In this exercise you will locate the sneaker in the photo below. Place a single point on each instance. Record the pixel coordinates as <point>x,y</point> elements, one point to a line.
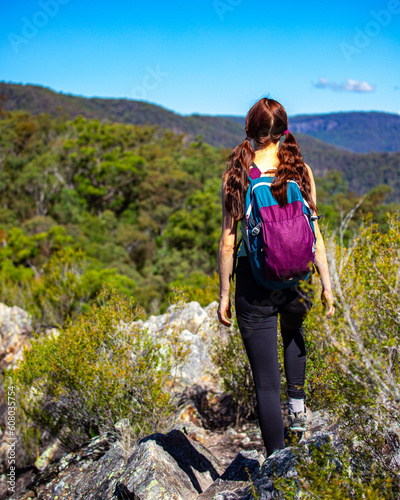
<point>301,420</point>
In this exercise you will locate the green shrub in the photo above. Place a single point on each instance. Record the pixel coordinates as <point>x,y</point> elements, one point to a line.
<point>355,363</point>
<point>98,370</point>
<point>352,358</point>
<point>198,287</point>
<point>63,287</point>
<point>323,473</point>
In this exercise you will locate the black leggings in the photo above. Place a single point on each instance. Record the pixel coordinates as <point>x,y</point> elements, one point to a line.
<point>257,311</point>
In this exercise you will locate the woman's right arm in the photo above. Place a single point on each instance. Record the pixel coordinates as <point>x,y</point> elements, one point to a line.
<point>225,262</point>
<point>321,260</point>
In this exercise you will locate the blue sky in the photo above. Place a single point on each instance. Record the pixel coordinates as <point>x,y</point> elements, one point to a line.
<point>211,56</point>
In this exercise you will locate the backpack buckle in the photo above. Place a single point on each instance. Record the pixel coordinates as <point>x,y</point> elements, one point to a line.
<point>316,217</point>
<point>256,230</point>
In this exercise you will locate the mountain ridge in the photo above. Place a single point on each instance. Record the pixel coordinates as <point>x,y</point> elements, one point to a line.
<point>37,99</point>
<point>356,131</point>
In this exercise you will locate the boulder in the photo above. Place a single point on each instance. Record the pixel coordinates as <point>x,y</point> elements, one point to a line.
<point>89,473</point>
<point>15,326</point>
<point>227,490</point>
<point>170,466</point>
<point>187,317</point>
<point>167,466</point>
<point>195,326</point>
<point>205,407</point>
<point>196,368</point>
<point>174,466</point>
<point>234,481</point>
<point>246,465</point>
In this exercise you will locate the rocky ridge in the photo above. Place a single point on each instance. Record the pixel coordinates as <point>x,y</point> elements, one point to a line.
<point>169,466</point>
<point>202,456</point>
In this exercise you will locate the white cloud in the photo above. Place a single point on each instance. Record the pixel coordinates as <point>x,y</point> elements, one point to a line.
<point>349,85</point>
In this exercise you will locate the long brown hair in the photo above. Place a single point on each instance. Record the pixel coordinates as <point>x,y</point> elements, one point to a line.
<point>265,124</point>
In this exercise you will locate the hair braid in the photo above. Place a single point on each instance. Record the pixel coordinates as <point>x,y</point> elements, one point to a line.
<point>291,165</point>
<point>236,178</point>
<point>266,122</point>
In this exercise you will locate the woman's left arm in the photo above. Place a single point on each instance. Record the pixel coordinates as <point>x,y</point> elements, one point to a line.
<point>225,262</point>
<point>321,260</point>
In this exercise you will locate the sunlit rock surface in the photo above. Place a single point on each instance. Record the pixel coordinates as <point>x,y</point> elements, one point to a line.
<point>196,326</point>
<point>15,326</point>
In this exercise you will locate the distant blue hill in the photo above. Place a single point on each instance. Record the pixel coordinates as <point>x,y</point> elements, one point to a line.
<point>360,132</point>
<point>356,131</point>
<point>353,136</point>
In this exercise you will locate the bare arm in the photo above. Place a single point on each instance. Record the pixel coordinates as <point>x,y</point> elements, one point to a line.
<point>321,260</point>
<point>225,262</point>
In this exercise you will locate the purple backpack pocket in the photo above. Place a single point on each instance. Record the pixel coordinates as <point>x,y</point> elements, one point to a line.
<point>288,241</point>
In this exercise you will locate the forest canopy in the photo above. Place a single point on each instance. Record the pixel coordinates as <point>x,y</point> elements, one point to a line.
<point>138,207</point>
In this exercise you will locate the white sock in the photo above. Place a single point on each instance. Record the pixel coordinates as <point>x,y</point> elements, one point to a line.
<point>296,405</point>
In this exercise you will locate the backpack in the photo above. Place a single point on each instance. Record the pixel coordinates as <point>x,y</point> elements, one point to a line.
<point>279,241</point>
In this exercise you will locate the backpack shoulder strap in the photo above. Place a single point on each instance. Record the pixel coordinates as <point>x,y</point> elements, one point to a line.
<point>313,217</point>
<point>255,172</point>
<point>235,259</point>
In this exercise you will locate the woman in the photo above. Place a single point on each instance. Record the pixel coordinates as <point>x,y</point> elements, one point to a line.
<point>257,307</point>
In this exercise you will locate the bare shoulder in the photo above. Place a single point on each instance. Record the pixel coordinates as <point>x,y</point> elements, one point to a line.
<point>313,187</point>
<point>310,173</point>
<point>309,169</point>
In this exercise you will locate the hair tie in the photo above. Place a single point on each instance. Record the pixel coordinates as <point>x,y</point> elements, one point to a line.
<point>248,138</point>
<point>286,132</point>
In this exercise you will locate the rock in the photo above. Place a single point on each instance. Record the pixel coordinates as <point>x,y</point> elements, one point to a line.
<point>215,410</point>
<point>193,371</point>
<point>174,466</point>
<point>232,432</point>
<point>122,493</point>
<point>170,466</point>
<point>153,325</point>
<point>210,326</point>
<point>189,317</point>
<point>211,308</point>
<point>195,326</point>
<point>320,420</point>
<point>90,473</point>
<point>234,482</point>
<point>250,460</point>
<point>188,421</point>
<point>227,490</point>
<point>47,456</point>
<point>167,466</point>
<point>15,326</point>
<point>282,463</point>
